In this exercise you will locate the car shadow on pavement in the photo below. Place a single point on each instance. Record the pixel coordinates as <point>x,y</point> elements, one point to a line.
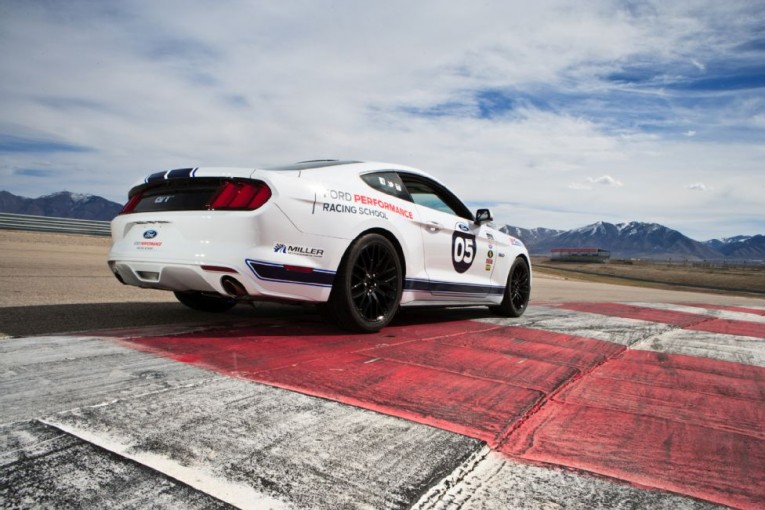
<point>89,317</point>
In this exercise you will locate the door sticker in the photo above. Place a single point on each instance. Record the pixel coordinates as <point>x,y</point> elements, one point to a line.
<point>463,251</point>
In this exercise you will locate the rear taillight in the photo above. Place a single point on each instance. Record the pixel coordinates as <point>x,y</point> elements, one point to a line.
<point>246,196</point>
<point>131,203</point>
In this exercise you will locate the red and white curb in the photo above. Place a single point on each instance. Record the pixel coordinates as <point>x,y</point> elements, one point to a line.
<point>644,396</point>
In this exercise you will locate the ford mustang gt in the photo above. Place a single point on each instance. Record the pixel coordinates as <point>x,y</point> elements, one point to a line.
<point>358,239</point>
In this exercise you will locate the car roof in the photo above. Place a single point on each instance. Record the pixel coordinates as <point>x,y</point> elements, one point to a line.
<point>333,166</point>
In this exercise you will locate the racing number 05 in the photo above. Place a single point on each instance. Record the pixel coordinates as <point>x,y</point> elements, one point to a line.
<point>463,251</point>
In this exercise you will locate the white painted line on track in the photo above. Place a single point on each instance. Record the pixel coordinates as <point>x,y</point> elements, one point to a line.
<point>236,494</point>
<point>737,349</point>
<point>709,312</point>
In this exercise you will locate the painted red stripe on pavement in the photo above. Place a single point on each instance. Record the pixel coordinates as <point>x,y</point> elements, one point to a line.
<point>524,372</point>
<point>729,327</point>
<point>684,362</point>
<point>683,379</point>
<point>681,405</point>
<point>718,466</point>
<point>675,318</point>
<point>560,339</point>
<point>510,341</point>
<point>476,407</point>
<point>461,376</point>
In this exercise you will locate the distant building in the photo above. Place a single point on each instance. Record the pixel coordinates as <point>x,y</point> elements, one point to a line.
<point>579,255</point>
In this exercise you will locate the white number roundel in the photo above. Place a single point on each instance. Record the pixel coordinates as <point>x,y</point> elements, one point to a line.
<point>463,251</point>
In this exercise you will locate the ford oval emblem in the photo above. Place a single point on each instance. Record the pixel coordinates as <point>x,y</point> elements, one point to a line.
<point>150,234</point>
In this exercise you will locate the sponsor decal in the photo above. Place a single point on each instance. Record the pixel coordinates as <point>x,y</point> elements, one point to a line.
<point>463,227</point>
<point>490,254</point>
<point>382,204</point>
<point>516,242</point>
<point>292,249</point>
<point>463,251</point>
<point>488,267</point>
<point>390,184</point>
<point>349,203</point>
<point>501,254</point>
<point>146,245</point>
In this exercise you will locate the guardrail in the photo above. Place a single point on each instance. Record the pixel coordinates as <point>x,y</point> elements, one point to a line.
<point>49,224</point>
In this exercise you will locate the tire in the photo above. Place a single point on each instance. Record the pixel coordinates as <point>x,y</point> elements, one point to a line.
<point>367,289</point>
<point>205,302</point>
<point>517,290</point>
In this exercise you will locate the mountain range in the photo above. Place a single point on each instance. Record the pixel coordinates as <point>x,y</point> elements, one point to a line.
<point>639,240</point>
<point>63,204</point>
<point>624,240</point>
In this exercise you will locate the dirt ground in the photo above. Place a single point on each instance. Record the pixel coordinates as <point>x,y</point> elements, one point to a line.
<point>729,277</point>
<point>43,269</point>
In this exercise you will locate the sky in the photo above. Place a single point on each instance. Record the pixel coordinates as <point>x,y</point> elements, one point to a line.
<point>554,114</point>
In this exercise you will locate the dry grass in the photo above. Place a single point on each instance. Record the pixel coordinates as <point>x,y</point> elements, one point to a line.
<point>729,279</point>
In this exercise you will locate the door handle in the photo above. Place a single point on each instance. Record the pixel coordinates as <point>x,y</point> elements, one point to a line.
<point>434,226</point>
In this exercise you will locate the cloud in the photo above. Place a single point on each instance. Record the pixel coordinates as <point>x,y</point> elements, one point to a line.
<point>15,144</point>
<point>500,99</point>
<point>698,65</point>
<point>699,186</point>
<point>34,172</point>
<point>604,180</point>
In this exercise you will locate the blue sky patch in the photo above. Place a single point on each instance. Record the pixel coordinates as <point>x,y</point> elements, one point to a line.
<point>15,144</point>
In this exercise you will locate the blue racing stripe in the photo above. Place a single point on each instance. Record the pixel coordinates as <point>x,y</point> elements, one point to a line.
<point>271,272</point>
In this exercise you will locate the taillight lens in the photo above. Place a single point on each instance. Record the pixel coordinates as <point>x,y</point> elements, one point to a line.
<point>246,196</point>
<point>131,203</point>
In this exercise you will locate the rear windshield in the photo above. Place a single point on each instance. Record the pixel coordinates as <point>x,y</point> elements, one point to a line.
<point>178,196</point>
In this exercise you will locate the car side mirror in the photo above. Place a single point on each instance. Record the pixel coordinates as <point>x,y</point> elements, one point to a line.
<point>483,216</point>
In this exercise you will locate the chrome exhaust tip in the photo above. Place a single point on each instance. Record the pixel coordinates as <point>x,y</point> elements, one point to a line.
<point>233,287</point>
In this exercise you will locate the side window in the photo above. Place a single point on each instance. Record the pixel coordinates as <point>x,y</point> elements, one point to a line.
<point>388,183</point>
<point>432,195</point>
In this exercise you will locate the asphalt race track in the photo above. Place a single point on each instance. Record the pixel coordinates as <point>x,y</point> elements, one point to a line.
<point>574,405</point>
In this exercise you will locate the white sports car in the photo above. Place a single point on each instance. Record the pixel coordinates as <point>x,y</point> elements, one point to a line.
<point>358,239</point>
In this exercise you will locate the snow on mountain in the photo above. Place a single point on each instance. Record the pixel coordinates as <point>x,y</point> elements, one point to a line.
<point>740,247</point>
<point>62,204</point>
<point>624,240</point>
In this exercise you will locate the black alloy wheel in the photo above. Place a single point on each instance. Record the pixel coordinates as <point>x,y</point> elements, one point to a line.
<point>367,290</point>
<point>517,291</point>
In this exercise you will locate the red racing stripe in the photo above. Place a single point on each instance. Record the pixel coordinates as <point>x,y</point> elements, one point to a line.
<point>702,462</point>
<point>684,362</point>
<point>518,371</point>
<point>729,327</point>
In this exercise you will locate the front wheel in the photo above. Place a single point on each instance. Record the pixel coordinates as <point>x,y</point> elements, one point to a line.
<point>205,302</point>
<point>517,291</point>
<point>367,289</point>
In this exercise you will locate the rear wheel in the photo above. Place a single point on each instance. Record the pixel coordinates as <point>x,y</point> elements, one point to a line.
<point>205,302</point>
<point>517,291</point>
<point>367,289</point>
